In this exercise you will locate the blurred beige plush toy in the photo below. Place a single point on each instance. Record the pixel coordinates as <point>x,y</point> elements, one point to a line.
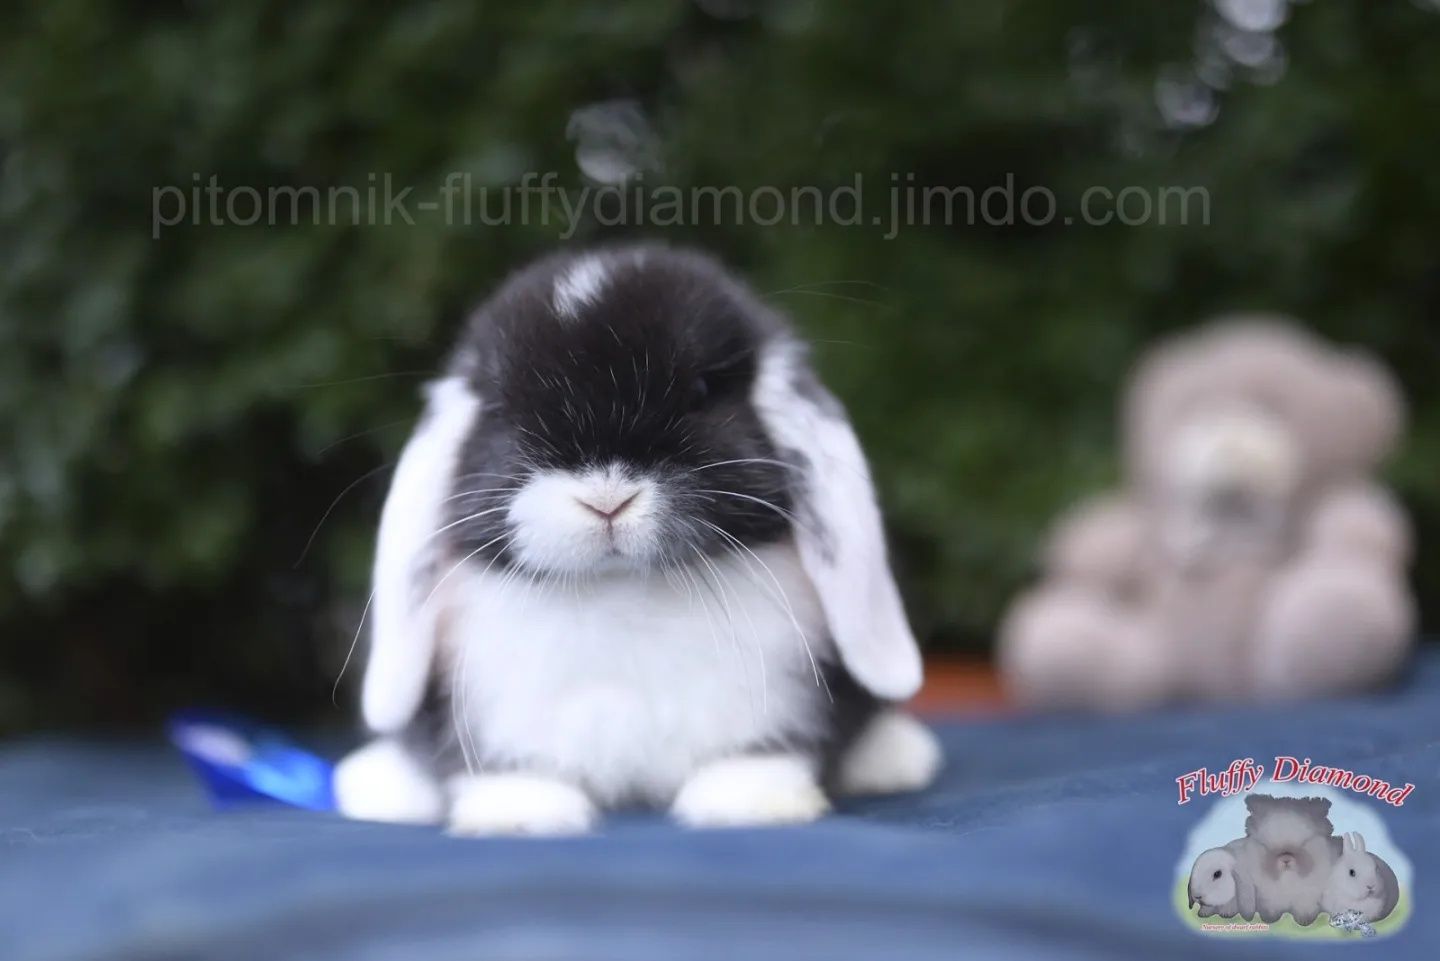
<point>1252,555</point>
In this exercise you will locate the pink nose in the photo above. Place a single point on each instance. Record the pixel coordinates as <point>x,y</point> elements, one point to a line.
<point>609,508</point>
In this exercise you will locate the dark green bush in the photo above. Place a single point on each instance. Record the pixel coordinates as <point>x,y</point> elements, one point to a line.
<point>180,407</point>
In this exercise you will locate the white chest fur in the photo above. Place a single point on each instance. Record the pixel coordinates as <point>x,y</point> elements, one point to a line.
<point>625,684</point>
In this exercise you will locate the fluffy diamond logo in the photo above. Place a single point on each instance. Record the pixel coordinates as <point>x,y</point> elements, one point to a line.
<point>1282,853</point>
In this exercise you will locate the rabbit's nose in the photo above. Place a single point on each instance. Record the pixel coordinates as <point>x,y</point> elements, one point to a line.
<point>608,507</point>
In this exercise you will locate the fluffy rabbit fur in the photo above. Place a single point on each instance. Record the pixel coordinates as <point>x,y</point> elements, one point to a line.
<point>1288,851</point>
<point>631,556</point>
<point>1360,881</point>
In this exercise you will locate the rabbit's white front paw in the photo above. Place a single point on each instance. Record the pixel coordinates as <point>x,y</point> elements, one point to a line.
<point>491,804</point>
<point>382,781</point>
<point>741,791</point>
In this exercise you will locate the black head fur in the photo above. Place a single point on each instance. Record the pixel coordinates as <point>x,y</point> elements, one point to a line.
<point>653,373</point>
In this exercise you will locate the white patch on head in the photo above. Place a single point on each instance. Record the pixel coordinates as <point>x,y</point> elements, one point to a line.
<point>382,781</point>
<point>579,285</point>
<point>894,752</point>
<point>625,683</point>
<point>751,790</point>
<point>490,804</point>
<point>560,521</point>
<point>839,532</point>
<point>403,626</point>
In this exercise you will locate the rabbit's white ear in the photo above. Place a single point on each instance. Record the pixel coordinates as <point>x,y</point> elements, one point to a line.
<point>403,614</point>
<point>837,523</point>
<point>1358,840</point>
<point>1244,895</point>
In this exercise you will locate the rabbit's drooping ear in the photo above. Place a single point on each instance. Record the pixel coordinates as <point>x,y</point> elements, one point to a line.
<point>403,613</point>
<point>1244,894</point>
<point>837,523</point>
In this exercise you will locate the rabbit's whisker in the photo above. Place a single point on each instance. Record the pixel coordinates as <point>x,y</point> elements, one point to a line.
<point>458,564</point>
<point>359,434</point>
<point>350,653</point>
<point>747,460</point>
<point>338,498</point>
<point>480,492</point>
<point>464,732</point>
<point>716,582</point>
<point>783,598</point>
<point>467,519</point>
<point>789,515</point>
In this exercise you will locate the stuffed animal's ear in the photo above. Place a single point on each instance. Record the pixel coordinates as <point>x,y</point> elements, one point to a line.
<point>1368,414</point>
<point>837,523</point>
<point>404,615</point>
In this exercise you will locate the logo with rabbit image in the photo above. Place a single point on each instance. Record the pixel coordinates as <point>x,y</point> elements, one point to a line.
<point>1317,865</point>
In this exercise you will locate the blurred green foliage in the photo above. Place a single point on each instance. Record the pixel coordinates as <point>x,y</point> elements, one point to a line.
<point>179,411</point>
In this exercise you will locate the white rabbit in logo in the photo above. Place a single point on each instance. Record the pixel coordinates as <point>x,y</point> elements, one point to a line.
<point>1219,884</point>
<point>1361,882</point>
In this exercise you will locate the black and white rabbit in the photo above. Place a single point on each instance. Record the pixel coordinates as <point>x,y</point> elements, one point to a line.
<point>631,555</point>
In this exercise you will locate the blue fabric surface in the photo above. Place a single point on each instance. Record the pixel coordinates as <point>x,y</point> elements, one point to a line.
<point>1046,838</point>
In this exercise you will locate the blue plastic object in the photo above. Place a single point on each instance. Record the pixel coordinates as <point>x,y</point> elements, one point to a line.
<point>241,762</point>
